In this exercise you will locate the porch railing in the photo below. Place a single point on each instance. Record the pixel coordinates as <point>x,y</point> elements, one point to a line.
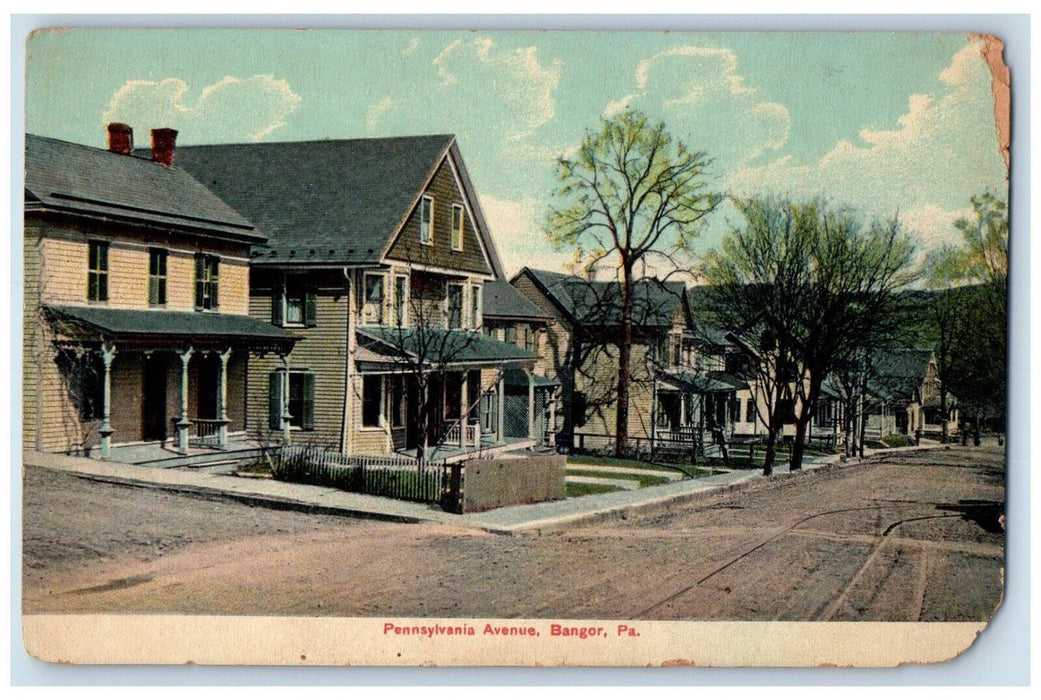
<point>461,434</point>
<point>203,432</point>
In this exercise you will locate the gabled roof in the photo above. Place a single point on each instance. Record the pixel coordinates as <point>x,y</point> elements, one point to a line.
<point>598,303</point>
<point>503,300</point>
<point>899,372</point>
<point>76,179</point>
<point>331,201</point>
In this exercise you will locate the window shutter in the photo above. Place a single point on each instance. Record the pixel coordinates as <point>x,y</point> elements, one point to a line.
<point>310,306</point>
<point>277,303</point>
<point>275,401</point>
<point>214,299</point>
<point>200,276</point>
<point>307,420</point>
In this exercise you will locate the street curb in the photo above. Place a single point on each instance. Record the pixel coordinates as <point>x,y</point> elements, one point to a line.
<point>655,505</point>
<point>664,504</point>
<point>271,502</point>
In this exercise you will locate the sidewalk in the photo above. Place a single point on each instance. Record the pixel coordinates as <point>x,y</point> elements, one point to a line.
<point>537,517</point>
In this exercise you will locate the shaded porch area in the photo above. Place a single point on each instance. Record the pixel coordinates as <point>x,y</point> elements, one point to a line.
<point>154,379</point>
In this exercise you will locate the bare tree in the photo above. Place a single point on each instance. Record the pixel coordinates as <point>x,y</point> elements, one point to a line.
<point>630,191</point>
<point>820,281</point>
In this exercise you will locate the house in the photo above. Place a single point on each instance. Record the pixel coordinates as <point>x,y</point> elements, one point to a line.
<point>376,262</point>
<point>512,318</point>
<point>581,348</point>
<point>904,394</point>
<point>136,323</point>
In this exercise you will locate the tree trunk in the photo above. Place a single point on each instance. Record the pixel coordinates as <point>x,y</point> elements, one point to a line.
<point>624,353</point>
<point>802,422</point>
<point>771,448</point>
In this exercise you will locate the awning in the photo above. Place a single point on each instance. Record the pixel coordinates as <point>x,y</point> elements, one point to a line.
<point>705,382</point>
<point>518,377</point>
<point>437,347</point>
<point>159,327</point>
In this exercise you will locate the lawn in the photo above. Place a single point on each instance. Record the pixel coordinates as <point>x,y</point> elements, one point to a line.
<point>644,479</point>
<point>586,462</point>
<point>572,490</point>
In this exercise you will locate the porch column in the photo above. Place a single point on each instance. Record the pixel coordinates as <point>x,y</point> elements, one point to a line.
<point>553,418</point>
<point>222,398</point>
<point>464,409</point>
<point>501,400</point>
<point>531,404</point>
<point>182,422</point>
<point>286,416</point>
<point>108,353</point>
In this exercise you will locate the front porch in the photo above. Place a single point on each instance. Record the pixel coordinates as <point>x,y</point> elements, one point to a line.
<point>488,447</point>
<point>239,447</point>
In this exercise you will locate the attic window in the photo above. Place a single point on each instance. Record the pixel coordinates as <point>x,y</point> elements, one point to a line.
<point>458,219</point>
<point>426,220</point>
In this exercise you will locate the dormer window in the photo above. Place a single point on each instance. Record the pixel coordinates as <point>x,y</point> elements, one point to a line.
<point>458,221</point>
<point>426,220</point>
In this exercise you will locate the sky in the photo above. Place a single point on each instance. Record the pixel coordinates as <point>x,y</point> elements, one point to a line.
<point>886,123</point>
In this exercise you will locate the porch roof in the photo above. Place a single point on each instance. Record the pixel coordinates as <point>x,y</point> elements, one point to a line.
<point>518,377</point>
<point>706,382</point>
<point>439,347</point>
<point>172,326</point>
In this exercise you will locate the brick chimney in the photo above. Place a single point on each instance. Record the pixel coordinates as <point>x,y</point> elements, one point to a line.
<point>120,138</point>
<point>163,142</point>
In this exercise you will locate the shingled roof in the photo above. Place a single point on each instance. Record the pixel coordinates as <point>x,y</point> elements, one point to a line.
<point>77,179</point>
<point>321,201</point>
<point>598,303</point>
<point>503,300</point>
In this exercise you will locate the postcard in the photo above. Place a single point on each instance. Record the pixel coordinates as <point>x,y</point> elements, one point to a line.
<point>357,347</point>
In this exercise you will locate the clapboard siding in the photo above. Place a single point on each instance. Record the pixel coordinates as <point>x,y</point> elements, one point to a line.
<point>321,350</point>
<point>63,273</point>
<point>407,248</point>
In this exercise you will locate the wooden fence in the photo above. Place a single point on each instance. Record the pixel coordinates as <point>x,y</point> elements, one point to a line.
<point>425,481</point>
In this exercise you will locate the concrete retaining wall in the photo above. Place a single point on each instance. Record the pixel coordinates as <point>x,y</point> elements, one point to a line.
<point>493,483</point>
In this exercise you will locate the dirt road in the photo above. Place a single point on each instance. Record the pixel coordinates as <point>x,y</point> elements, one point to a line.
<point>918,537</point>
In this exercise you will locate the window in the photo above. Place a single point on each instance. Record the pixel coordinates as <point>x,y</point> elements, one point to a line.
<point>371,400</point>
<point>735,410</point>
<point>300,399</point>
<point>206,281</point>
<point>675,349</point>
<point>489,411</point>
<point>156,276</point>
<point>400,300</point>
<point>97,271</point>
<point>578,408</point>
<point>397,402</point>
<point>526,337</point>
<point>458,217</point>
<point>426,220</point>
<point>455,306</point>
<point>374,299</point>
<point>749,410</point>
<point>511,335</point>
<point>476,306</point>
<point>293,302</point>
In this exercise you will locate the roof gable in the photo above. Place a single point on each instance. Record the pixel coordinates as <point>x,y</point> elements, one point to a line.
<point>321,201</point>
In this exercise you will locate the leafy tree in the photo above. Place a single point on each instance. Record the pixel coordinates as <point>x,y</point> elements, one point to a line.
<point>631,191</point>
<point>969,309</point>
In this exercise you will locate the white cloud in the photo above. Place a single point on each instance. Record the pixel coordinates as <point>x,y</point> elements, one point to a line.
<point>934,225</point>
<point>517,230</point>
<point>232,109</point>
<point>939,152</point>
<point>373,113</point>
<point>703,98</point>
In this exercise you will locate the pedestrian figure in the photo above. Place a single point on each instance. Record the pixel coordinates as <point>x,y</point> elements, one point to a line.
<point>720,439</point>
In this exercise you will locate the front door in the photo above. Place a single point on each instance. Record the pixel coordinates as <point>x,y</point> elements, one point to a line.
<point>153,398</point>
<point>206,395</point>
